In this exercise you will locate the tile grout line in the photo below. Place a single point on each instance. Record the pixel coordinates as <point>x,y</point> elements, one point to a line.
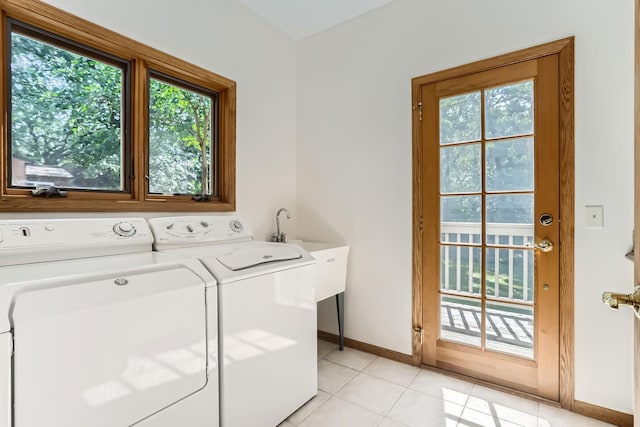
<point>394,404</point>
<point>351,379</point>
<point>344,365</point>
<point>492,403</point>
<point>414,378</point>
<point>347,382</point>
<point>382,417</point>
<point>323,403</point>
<point>312,412</point>
<point>359,406</point>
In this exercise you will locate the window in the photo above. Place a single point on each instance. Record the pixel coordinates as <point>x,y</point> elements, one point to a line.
<point>181,149</point>
<point>67,115</point>
<point>104,123</point>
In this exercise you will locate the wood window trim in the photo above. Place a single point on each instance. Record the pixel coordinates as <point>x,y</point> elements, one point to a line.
<point>143,58</point>
<point>565,50</point>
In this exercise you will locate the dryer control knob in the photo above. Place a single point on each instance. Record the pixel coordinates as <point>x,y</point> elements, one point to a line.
<point>236,226</point>
<point>124,229</point>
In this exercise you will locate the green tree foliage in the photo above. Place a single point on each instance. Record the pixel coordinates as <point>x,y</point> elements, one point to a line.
<point>179,140</point>
<point>460,118</point>
<point>508,112</point>
<point>66,112</point>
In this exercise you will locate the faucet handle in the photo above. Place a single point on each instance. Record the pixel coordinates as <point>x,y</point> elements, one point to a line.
<point>275,237</point>
<point>283,237</point>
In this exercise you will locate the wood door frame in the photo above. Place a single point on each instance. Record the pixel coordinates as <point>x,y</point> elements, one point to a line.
<point>636,181</point>
<point>565,50</point>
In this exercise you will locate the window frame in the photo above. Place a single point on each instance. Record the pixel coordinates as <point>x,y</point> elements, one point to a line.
<point>85,37</point>
<point>214,175</point>
<point>13,25</point>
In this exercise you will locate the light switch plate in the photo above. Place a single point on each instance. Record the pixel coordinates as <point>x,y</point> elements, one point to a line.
<point>594,216</point>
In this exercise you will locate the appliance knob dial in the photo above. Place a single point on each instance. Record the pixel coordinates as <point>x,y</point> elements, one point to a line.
<point>236,226</point>
<point>124,229</point>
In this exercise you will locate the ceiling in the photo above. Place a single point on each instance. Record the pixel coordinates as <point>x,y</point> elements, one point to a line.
<point>302,18</point>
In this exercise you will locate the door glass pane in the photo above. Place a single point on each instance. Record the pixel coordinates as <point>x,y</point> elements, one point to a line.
<point>180,149</point>
<point>509,219</point>
<point>460,320</point>
<point>460,269</point>
<point>460,169</point>
<point>461,219</point>
<point>510,329</point>
<point>66,118</point>
<point>460,118</point>
<point>509,110</point>
<point>509,165</point>
<point>510,274</point>
<point>487,185</point>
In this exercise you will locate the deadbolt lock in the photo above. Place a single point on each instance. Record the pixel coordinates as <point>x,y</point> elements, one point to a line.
<point>614,300</point>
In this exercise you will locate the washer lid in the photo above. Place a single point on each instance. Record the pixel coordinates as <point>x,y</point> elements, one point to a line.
<point>211,256</point>
<point>252,255</point>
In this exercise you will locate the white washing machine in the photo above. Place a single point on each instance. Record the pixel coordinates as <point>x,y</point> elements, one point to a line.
<point>267,316</point>
<point>97,330</point>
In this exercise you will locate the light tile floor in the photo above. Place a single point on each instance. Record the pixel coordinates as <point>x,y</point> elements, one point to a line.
<point>358,389</point>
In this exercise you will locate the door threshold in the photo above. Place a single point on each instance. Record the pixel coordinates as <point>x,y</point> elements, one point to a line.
<point>491,385</point>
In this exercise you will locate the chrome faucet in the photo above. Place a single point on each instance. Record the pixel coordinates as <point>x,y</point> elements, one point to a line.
<point>280,236</point>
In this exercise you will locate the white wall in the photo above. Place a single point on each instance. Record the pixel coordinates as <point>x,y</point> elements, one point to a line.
<point>354,157</point>
<point>226,38</point>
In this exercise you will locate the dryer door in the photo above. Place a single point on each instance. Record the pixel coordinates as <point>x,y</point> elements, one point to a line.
<point>108,352</point>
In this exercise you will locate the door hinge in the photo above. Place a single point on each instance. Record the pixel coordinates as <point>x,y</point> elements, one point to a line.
<point>421,224</point>
<point>418,107</point>
<point>418,330</point>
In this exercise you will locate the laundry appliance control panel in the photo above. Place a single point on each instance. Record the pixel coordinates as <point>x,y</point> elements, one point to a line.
<point>26,241</point>
<point>194,230</point>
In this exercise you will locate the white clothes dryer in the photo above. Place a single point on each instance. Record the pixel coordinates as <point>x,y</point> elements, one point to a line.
<point>97,330</point>
<point>267,315</point>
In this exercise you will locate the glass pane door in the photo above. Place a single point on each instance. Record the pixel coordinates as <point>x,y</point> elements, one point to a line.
<point>486,196</point>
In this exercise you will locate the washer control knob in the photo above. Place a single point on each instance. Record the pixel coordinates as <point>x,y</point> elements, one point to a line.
<point>236,226</point>
<point>204,224</point>
<point>124,229</point>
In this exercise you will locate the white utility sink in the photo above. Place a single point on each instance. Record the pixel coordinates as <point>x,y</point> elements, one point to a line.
<point>331,267</point>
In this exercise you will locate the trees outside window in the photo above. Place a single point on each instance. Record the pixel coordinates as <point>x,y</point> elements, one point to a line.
<point>109,121</point>
<point>180,139</point>
<point>67,113</point>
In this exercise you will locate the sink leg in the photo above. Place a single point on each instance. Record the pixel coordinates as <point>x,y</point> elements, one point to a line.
<point>340,307</point>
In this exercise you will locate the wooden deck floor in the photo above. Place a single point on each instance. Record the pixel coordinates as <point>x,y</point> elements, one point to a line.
<point>506,332</point>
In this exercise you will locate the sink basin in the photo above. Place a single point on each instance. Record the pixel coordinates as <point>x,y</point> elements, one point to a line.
<point>331,267</point>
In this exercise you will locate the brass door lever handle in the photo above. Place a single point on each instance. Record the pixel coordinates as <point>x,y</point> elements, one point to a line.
<point>544,246</point>
<point>614,300</point>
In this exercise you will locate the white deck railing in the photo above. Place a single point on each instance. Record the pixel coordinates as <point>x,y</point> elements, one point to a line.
<point>512,235</point>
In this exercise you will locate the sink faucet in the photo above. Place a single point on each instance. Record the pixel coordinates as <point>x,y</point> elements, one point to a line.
<point>280,236</point>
